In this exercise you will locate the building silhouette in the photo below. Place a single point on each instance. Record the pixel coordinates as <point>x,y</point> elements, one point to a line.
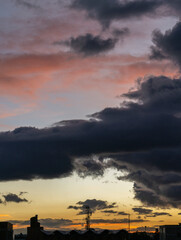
<point>170,232</point>
<point>6,231</point>
<point>36,232</point>
<point>20,236</point>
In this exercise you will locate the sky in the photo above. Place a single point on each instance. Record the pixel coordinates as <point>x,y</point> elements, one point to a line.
<point>90,113</point>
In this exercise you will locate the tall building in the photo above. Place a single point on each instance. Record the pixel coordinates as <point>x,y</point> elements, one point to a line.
<point>34,231</point>
<point>6,231</point>
<point>170,232</point>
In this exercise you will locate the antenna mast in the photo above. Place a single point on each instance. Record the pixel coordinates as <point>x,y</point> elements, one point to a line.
<point>87,219</point>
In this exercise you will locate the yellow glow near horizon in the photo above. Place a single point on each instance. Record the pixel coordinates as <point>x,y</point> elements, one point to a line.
<point>50,199</point>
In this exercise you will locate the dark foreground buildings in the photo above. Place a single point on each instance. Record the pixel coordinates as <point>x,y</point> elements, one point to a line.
<point>170,232</point>
<point>35,232</point>
<point>6,231</point>
<point>20,236</point>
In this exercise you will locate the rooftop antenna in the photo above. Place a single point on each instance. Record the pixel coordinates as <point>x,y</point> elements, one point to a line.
<point>87,219</point>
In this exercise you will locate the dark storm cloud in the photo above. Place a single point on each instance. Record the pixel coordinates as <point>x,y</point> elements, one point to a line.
<point>107,10</point>
<point>90,45</point>
<point>74,207</point>
<point>89,167</point>
<point>149,197</point>
<point>120,33</point>
<point>94,205</point>
<point>158,183</point>
<point>95,167</point>
<point>142,211</point>
<point>122,213</point>
<point>33,159</point>
<point>11,197</point>
<point>157,214</point>
<point>156,54</point>
<point>163,187</point>
<point>167,45</point>
<point>22,193</point>
<point>174,4</point>
<point>142,138</point>
<point>172,192</point>
<point>149,212</point>
<point>97,204</point>
<point>109,212</point>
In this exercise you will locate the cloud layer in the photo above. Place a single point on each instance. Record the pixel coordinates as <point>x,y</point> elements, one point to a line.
<point>13,198</point>
<point>149,212</point>
<point>142,137</point>
<point>94,205</point>
<point>90,45</point>
<point>106,11</point>
<point>62,223</point>
<point>167,46</point>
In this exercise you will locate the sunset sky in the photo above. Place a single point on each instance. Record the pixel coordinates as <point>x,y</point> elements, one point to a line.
<point>90,112</point>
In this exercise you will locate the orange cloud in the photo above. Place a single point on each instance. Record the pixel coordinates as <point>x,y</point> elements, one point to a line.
<point>4,215</point>
<point>16,226</point>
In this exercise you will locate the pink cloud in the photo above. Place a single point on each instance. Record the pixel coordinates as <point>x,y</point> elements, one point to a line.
<point>28,76</point>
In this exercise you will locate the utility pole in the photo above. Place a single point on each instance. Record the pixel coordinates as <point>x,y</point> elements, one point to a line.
<point>87,219</point>
<point>129,223</point>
